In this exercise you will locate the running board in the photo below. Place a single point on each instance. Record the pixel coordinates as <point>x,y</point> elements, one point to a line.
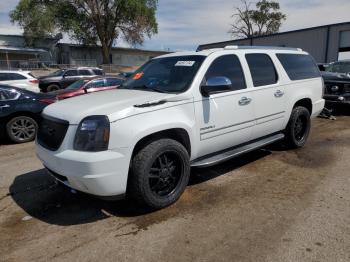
<point>226,155</point>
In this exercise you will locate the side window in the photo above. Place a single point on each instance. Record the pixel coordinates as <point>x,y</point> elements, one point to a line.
<point>84,72</point>
<point>97,72</point>
<point>71,73</point>
<point>14,76</point>
<point>98,83</point>
<point>262,69</point>
<point>6,95</point>
<point>4,77</point>
<point>299,66</point>
<point>113,82</point>
<point>230,67</point>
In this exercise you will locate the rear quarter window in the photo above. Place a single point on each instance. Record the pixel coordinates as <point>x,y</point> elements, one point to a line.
<point>97,72</point>
<point>299,66</point>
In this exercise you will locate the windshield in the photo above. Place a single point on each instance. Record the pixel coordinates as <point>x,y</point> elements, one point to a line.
<point>168,75</point>
<point>339,67</point>
<point>57,73</point>
<point>76,85</point>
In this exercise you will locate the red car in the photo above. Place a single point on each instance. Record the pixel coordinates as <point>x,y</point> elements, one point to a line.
<point>86,86</point>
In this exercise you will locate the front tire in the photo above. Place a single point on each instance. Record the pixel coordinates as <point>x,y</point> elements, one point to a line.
<point>52,88</point>
<point>21,129</point>
<point>298,128</point>
<point>159,174</point>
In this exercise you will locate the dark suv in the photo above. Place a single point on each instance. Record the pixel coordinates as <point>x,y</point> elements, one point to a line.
<point>337,83</point>
<point>64,77</point>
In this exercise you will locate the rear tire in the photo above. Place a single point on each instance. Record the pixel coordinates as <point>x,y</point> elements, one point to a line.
<point>159,174</point>
<point>298,128</point>
<point>21,129</point>
<point>52,87</point>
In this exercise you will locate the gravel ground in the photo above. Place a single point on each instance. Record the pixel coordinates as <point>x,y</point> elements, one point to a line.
<point>269,205</point>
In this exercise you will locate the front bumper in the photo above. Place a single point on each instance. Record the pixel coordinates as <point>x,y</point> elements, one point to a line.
<point>102,174</point>
<point>337,99</point>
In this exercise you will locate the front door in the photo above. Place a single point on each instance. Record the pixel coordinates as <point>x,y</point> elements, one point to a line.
<point>225,119</point>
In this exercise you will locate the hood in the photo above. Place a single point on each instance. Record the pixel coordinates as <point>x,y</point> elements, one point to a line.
<point>330,76</point>
<point>116,104</point>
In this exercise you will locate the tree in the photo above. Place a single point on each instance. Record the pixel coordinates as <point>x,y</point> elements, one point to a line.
<point>89,22</point>
<point>264,19</point>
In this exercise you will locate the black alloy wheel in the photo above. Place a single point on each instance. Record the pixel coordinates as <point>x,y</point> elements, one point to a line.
<point>159,173</point>
<point>165,174</point>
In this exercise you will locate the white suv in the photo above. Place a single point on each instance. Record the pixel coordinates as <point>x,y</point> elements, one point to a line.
<point>20,79</point>
<point>181,110</point>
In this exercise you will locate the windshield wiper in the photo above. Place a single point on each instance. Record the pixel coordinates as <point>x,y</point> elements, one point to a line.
<point>144,87</point>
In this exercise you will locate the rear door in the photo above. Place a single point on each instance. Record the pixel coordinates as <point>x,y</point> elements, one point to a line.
<point>69,77</point>
<point>225,119</point>
<point>268,95</point>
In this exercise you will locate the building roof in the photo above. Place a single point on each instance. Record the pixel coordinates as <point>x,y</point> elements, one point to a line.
<point>114,48</point>
<point>275,34</point>
<point>12,49</point>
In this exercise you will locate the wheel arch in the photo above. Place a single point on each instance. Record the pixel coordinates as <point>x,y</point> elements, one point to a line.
<point>304,102</point>
<point>178,134</point>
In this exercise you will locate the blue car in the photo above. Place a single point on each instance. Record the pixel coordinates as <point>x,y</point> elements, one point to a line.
<point>20,112</point>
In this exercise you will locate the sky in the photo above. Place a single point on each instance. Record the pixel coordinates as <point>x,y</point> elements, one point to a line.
<point>184,24</point>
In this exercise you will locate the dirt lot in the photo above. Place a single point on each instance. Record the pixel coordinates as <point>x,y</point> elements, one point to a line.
<point>270,205</point>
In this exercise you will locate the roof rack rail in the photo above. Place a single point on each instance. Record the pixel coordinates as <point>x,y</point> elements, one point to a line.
<point>236,47</point>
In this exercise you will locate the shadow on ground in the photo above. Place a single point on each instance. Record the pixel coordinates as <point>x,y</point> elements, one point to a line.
<point>41,197</point>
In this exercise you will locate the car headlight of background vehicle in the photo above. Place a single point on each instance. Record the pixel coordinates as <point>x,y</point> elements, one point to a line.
<point>92,134</point>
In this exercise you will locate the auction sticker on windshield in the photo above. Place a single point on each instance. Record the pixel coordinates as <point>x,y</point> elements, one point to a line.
<point>185,63</point>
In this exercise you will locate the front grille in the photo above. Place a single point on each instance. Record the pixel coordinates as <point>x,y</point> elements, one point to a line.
<point>52,132</point>
<point>342,88</point>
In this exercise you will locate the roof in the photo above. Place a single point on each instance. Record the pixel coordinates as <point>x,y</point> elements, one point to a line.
<point>242,49</point>
<point>12,49</point>
<point>276,34</point>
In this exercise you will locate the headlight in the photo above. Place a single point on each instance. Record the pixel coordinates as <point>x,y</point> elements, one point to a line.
<point>92,134</point>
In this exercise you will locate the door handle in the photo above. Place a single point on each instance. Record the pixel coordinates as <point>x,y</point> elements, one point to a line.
<point>279,93</point>
<point>244,101</point>
<point>4,106</point>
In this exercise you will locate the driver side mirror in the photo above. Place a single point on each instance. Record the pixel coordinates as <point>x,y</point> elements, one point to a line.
<point>217,84</point>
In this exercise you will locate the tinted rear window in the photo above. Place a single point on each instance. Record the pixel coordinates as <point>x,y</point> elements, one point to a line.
<point>11,76</point>
<point>299,66</point>
<point>84,72</point>
<point>262,69</point>
<point>98,72</point>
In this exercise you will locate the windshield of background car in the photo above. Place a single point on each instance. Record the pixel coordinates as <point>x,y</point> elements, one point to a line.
<point>57,73</point>
<point>168,75</point>
<point>340,67</point>
<point>76,85</point>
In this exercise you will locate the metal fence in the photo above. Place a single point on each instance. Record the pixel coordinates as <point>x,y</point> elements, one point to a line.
<point>41,65</point>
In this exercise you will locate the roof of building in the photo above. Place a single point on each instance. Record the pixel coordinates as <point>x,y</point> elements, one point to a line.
<point>276,34</point>
<point>114,48</point>
<point>12,49</point>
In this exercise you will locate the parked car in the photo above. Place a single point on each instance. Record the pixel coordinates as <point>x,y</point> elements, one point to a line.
<point>20,79</point>
<point>64,77</point>
<point>181,110</point>
<point>20,112</point>
<point>322,66</point>
<point>337,83</point>
<point>86,86</point>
